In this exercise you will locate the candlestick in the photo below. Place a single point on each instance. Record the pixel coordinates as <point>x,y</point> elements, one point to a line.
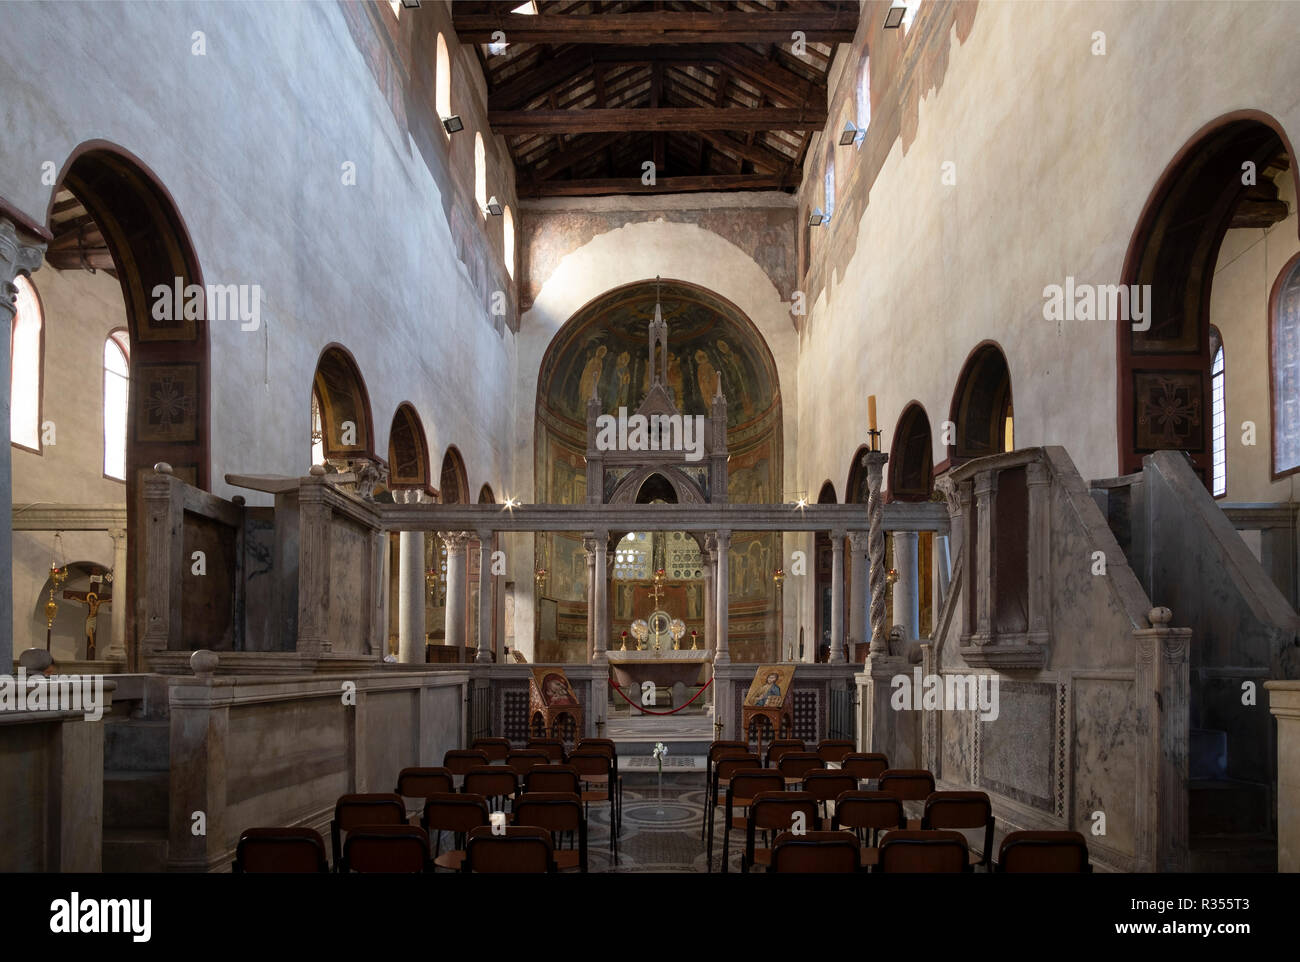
<point>871,412</point>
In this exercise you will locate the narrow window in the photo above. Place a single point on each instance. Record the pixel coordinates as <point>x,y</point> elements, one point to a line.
<point>25,361</point>
<point>117,380</point>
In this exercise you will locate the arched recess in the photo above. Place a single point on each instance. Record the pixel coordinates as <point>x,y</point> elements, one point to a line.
<point>1284,371</point>
<point>911,467</point>
<point>856,489</point>
<point>453,482</point>
<point>408,451</point>
<point>662,483</point>
<point>1163,378</point>
<point>823,555</point>
<point>346,424</point>
<point>981,406</point>
<point>154,260</point>
<point>485,495</point>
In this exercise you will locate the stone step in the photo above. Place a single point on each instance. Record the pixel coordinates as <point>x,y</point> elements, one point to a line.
<point>135,850</point>
<point>135,801</point>
<point>1237,853</point>
<point>132,745</point>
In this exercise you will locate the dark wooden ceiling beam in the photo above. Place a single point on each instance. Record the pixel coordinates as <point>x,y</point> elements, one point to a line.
<point>531,84</point>
<point>661,27</point>
<point>576,152</point>
<point>662,185</point>
<point>515,122</point>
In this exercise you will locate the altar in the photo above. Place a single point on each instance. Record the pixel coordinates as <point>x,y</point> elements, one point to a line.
<point>665,668</point>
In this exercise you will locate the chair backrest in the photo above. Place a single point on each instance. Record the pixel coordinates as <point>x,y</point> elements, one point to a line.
<point>422,782</point>
<point>378,808</point>
<point>834,749</point>
<point>520,761</point>
<point>553,811</point>
<point>859,809</point>
<point>387,848</point>
<point>827,785</point>
<point>491,781</point>
<point>552,778</point>
<point>909,784</point>
<point>923,851</point>
<point>281,850</point>
<point>730,764</point>
<point>815,852</point>
<point>454,812</point>
<point>781,746</point>
<point>496,748</point>
<point>776,810</point>
<point>588,761</point>
<point>747,783</point>
<point>864,764</point>
<point>521,849</point>
<point>553,747</point>
<point>798,764</point>
<point>717,748</point>
<point>461,760</point>
<point>1044,852</point>
<point>957,810</point>
<point>597,743</point>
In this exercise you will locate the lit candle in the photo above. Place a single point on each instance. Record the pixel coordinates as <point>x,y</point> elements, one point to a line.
<point>871,411</point>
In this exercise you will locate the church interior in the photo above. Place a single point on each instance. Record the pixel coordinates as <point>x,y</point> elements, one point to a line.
<point>622,437</point>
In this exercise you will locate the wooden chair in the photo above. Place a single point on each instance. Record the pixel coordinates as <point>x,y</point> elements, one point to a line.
<point>422,782</point>
<point>496,748</point>
<point>596,770</point>
<point>774,812</point>
<point>452,812</point>
<point>781,746</point>
<point>868,812</point>
<point>460,760</point>
<point>716,749</point>
<point>554,748</point>
<point>908,850</point>
<point>354,811</point>
<point>557,812</point>
<point>296,850</point>
<point>497,783</point>
<point>520,849</point>
<point>826,785</point>
<point>958,810</point>
<point>521,761</point>
<point>608,746</point>
<point>834,749</point>
<point>387,849</point>
<point>742,788</point>
<point>795,765</point>
<point>864,765</point>
<point>553,778</point>
<point>908,785</point>
<point>726,766</point>
<point>818,852</point>
<point>1043,852</point>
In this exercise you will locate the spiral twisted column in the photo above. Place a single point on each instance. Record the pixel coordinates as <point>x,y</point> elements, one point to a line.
<point>874,462</point>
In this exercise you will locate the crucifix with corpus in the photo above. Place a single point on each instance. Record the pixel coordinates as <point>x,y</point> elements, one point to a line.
<point>93,599</point>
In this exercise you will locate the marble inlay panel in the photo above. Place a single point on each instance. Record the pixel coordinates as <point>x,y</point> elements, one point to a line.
<point>1017,749</point>
<point>1105,755</point>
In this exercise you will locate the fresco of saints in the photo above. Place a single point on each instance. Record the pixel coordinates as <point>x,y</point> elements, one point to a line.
<point>623,378</point>
<point>591,374</point>
<point>706,376</point>
<point>675,380</point>
<point>732,366</point>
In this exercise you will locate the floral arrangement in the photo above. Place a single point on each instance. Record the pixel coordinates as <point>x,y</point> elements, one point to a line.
<point>660,751</point>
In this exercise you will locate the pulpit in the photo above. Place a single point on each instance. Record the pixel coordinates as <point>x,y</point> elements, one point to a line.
<point>553,708</point>
<point>768,704</point>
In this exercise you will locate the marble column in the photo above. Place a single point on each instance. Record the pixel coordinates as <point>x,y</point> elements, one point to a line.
<point>859,592</point>
<point>720,590</point>
<point>907,596</point>
<point>1039,482</point>
<point>710,604</point>
<point>411,588</point>
<point>601,567</point>
<point>942,575</point>
<point>589,549</point>
<point>484,654</point>
<point>19,253</point>
<point>985,550</point>
<point>455,612</point>
<point>874,462</point>
<point>117,610</point>
<point>837,598</point>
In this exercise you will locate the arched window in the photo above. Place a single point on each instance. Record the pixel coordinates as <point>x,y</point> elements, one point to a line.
<point>910,13</point>
<point>864,93</point>
<point>1218,414</point>
<point>117,380</point>
<point>1284,364</point>
<point>26,358</point>
<point>829,186</point>
<point>442,83</point>
<point>480,174</point>
<point>508,230</point>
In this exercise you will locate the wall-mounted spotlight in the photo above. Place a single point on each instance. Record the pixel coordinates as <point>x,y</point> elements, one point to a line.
<point>894,18</point>
<point>453,123</point>
<point>411,4</point>
<point>852,134</point>
<point>817,218</point>
<point>494,207</point>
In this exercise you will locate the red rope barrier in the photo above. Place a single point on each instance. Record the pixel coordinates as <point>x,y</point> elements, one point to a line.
<point>645,712</point>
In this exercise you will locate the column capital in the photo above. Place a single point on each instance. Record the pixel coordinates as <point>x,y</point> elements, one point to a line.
<point>859,541</point>
<point>986,483</point>
<point>722,538</point>
<point>1036,473</point>
<point>20,253</point>
<point>950,490</point>
<point>837,538</point>
<point>455,540</point>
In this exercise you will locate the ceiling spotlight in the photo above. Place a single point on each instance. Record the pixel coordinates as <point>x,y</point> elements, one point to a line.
<point>453,123</point>
<point>817,218</point>
<point>494,207</point>
<point>894,18</point>
<point>852,134</point>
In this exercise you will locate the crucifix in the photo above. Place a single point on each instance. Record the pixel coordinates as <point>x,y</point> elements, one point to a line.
<point>92,599</point>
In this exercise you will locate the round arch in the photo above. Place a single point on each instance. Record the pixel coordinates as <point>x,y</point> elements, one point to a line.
<point>827,493</point>
<point>408,450</point>
<point>911,462</point>
<point>453,482</point>
<point>347,428</point>
<point>981,405</point>
<point>1163,366</point>
<point>485,495</point>
<point>855,488</point>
